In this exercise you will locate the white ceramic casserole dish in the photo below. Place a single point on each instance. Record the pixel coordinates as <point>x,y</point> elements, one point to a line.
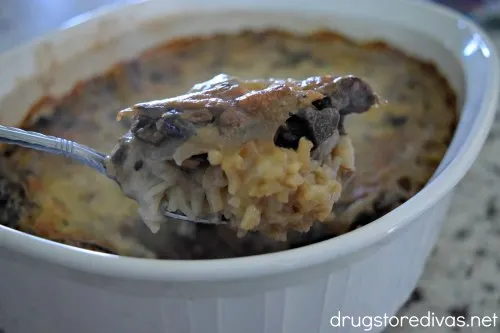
<point>49,287</point>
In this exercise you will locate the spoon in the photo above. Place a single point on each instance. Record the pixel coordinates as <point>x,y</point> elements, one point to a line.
<point>74,151</point>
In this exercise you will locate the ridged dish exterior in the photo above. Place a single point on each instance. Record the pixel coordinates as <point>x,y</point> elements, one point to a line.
<point>373,283</point>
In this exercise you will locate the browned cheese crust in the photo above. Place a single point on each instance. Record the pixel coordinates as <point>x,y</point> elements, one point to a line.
<point>398,146</point>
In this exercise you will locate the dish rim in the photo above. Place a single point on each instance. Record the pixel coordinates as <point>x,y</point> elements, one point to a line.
<point>282,261</point>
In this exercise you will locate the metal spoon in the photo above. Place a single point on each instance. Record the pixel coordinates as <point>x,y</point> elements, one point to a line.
<point>74,151</point>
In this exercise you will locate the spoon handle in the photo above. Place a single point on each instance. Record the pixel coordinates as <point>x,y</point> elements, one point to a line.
<point>71,150</point>
<point>54,145</point>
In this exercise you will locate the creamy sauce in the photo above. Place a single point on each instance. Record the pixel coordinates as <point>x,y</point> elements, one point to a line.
<point>397,147</point>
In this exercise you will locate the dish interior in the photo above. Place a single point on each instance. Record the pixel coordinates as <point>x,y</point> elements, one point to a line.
<point>398,146</point>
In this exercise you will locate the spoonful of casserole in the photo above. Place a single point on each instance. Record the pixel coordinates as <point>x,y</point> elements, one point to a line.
<point>261,155</point>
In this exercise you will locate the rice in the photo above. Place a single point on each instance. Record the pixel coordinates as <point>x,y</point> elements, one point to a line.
<point>258,187</point>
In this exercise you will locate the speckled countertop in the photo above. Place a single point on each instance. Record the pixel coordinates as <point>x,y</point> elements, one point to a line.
<point>462,276</point>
